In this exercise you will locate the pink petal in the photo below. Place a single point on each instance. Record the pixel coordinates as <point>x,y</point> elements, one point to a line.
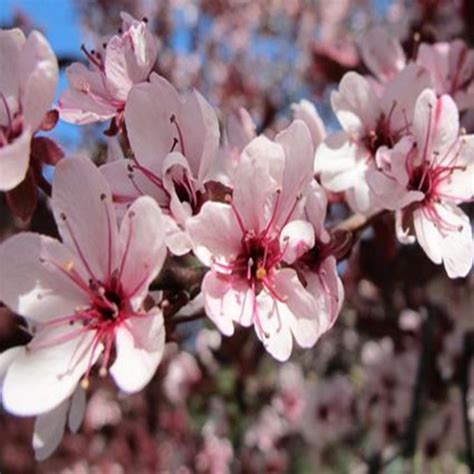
<point>142,247</point>
<point>32,277</point>
<point>458,245</point>
<point>299,163</point>
<point>339,161</point>
<point>14,161</point>
<point>11,42</point>
<point>315,210</point>
<point>400,95</point>
<point>428,236</point>
<point>356,105</point>
<point>296,238</point>
<point>382,53</point>
<point>38,78</point>
<point>177,240</point>
<point>227,299</point>
<point>140,344</point>
<point>306,111</point>
<point>49,431</point>
<point>435,124</point>
<point>258,176</point>
<point>39,380</point>
<point>77,409</point>
<point>84,213</point>
<point>226,242</point>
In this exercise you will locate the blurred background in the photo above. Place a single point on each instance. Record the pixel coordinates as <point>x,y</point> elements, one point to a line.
<point>387,390</point>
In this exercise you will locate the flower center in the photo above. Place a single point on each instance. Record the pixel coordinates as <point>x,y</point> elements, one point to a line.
<point>14,126</point>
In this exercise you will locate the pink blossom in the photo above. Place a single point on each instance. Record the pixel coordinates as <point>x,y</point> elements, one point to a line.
<point>328,411</point>
<point>368,123</point>
<point>216,455</point>
<point>182,373</point>
<point>425,177</point>
<point>175,140</point>
<point>289,400</point>
<point>239,130</point>
<point>99,92</point>
<point>259,230</point>
<point>382,53</point>
<point>27,86</point>
<point>83,296</point>
<point>451,66</point>
<point>49,427</point>
<point>306,111</point>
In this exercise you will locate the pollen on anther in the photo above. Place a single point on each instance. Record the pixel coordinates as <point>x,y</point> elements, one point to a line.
<point>103,372</point>
<point>85,384</point>
<point>261,273</point>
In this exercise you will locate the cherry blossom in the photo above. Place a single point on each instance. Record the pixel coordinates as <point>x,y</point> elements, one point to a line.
<point>99,92</point>
<point>368,123</point>
<point>175,140</point>
<point>29,78</point>
<point>84,296</point>
<point>425,177</point>
<point>451,66</point>
<point>260,229</point>
<point>49,427</point>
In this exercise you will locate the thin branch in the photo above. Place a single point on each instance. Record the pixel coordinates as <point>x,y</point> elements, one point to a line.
<point>411,433</point>
<point>464,383</point>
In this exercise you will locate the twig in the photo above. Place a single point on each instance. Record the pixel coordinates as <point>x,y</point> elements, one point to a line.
<point>411,433</point>
<point>464,383</point>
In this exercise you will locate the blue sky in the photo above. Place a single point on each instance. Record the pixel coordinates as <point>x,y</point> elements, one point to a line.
<point>59,23</point>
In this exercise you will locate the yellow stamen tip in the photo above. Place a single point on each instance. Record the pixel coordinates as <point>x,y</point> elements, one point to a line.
<point>103,372</point>
<point>85,384</point>
<point>261,273</point>
<point>69,265</point>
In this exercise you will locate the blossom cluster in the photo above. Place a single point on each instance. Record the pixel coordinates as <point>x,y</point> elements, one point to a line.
<point>248,209</point>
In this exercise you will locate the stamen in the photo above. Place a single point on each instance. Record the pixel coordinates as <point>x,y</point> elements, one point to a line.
<point>181,141</point>
<point>63,217</point>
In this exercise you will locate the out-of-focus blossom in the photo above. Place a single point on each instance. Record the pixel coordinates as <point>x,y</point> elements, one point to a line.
<point>451,66</point>
<point>84,296</point>
<point>99,92</point>
<point>216,455</point>
<point>102,410</point>
<point>289,400</point>
<point>382,54</point>
<point>182,374</point>
<point>384,405</point>
<point>328,411</point>
<point>425,177</point>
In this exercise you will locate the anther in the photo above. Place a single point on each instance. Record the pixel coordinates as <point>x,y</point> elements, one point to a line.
<point>62,216</point>
<point>103,372</point>
<point>261,273</point>
<point>85,384</point>
<point>103,197</point>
